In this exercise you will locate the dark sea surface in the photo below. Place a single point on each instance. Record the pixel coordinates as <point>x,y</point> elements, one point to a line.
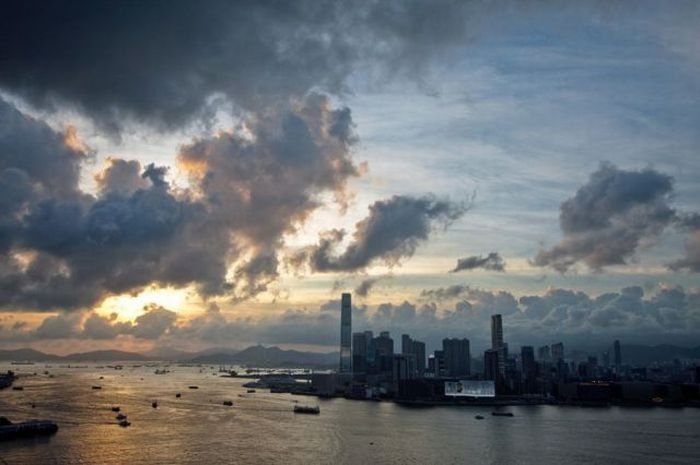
<point>261,428</point>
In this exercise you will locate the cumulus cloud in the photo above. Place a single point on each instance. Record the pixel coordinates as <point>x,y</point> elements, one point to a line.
<point>610,217</point>
<point>392,231</point>
<point>64,249</point>
<point>492,262</point>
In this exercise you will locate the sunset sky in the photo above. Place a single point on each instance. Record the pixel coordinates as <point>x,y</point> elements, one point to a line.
<point>196,174</point>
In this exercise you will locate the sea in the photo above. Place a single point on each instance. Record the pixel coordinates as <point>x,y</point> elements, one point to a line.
<point>262,428</point>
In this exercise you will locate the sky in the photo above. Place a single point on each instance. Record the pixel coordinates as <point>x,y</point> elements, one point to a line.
<point>214,174</point>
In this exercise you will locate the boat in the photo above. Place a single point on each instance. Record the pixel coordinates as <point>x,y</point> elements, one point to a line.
<point>228,403</point>
<point>18,388</point>
<point>502,414</point>
<point>124,423</point>
<point>178,395</point>
<point>307,409</point>
<point>97,387</point>
<point>154,404</point>
<point>250,391</point>
<point>120,417</point>
<point>9,430</point>
<point>116,409</point>
<point>194,387</point>
<point>479,417</point>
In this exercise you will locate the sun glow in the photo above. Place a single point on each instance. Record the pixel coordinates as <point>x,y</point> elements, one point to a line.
<point>128,307</point>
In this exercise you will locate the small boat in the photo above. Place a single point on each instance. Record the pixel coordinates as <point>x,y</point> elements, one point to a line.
<point>228,403</point>
<point>194,387</point>
<point>154,404</point>
<point>307,409</point>
<point>124,423</point>
<point>502,414</point>
<point>250,391</point>
<point>9,430</point>
<point>120,417</point>
<point>178,395</point>
<point>97,387</point>
<point>116,409</point>
<point>18,388</point>
<point>479,417</point>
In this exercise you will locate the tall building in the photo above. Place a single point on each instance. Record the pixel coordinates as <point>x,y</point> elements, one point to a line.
<point>618,354</point>
<point>557,352</point>
<point>384,352</point>
<point>360,351</point>
<point>527,358</point>
<point>491,369</point>
<point>497,342</point>
<point>416,349</point>
<point>345,333</point>
<point>544,355</point>
<point>457,357</point>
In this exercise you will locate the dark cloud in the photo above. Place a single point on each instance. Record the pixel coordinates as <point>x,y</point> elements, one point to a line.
<point>121,177</point>
<point>493,262</point>
<point>393,230</point>
<point>614,214</point>
<point>366,285</point>
<point>64,249</point>
<point>691,261</point>
<point>168,63</point>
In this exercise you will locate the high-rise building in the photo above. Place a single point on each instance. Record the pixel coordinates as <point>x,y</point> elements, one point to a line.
<point>415,349</point>
<point>544,355</point>
<point>491,366</point>
<point>557,352</point>
<point>457,357</point>
<point>345,333</point>
<point>360,351</point>
<point>384,352</point>
<point>497,342</point>
<point>618,354</point>
<point>527,359</point>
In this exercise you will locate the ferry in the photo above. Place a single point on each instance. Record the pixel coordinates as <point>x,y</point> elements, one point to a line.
<point>307,409</point>
<point>9,430</point>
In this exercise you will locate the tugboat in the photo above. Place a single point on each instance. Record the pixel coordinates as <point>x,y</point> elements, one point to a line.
<point>9,430</point>
<point>307,409</point>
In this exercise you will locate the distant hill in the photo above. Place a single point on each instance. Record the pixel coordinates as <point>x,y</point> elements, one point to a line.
<point>261,356</point>
<point>105,356</point>
<point>645,355</point>
<point>27,355</point>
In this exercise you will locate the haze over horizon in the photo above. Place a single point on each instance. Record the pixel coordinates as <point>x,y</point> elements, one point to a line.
<point>175,175</point>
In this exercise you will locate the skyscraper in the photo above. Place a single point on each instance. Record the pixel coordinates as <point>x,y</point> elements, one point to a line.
<point>557,352</point>
<point>345,333</point>
<point>527,358</point>
<point>497,343</point>
<point>457,357</point>
<point>618,354</point>
<point>360,348</point>
<point>415,349</point>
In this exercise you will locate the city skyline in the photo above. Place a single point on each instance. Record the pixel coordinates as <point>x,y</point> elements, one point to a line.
<point>443,163</point>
